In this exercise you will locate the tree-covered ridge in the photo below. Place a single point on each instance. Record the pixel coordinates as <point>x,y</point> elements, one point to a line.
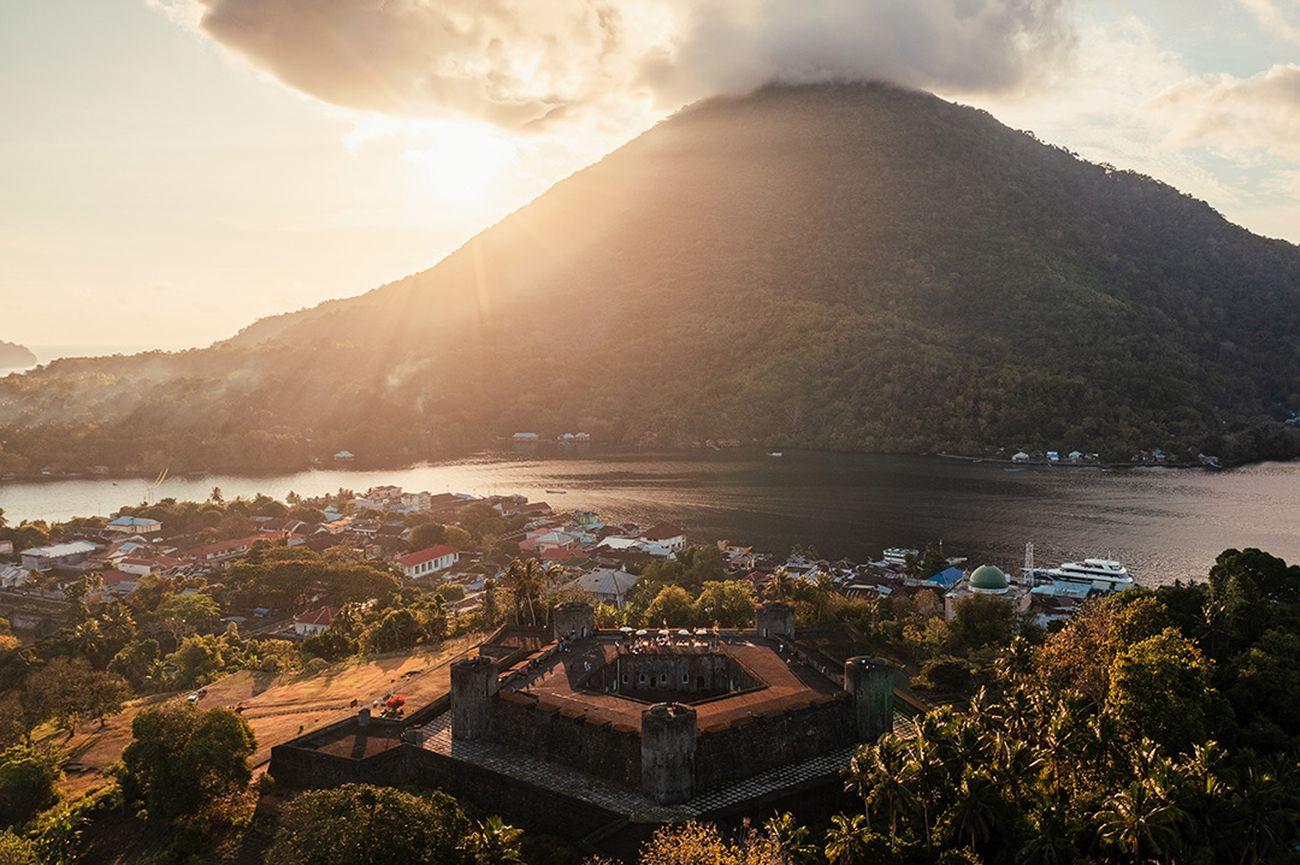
<point>855,267</point>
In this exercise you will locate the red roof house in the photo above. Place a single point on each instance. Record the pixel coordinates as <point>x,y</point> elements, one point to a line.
<point>428,560</point>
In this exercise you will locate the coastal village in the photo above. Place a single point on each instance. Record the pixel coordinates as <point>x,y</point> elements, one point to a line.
<point>581,552</point>
<point>485,645</point>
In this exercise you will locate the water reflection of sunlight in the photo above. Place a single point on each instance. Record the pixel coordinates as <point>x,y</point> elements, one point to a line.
<point>1165,525</point>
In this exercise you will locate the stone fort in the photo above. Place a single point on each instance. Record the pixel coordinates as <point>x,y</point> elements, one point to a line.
<point>616,725</point>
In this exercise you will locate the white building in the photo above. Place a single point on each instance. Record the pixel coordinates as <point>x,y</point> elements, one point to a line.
<point>56,556</point>
<point>665,535</point>
<point>11,577</point>
<point>422,501</point>
<point>430,560</point>
<point>311,622</point>
<point>127,525</point>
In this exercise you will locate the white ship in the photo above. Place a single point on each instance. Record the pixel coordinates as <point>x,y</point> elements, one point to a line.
<point>1103,575</point>
<point>899,555</point>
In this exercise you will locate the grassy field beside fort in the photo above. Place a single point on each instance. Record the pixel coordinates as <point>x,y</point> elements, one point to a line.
<point>278,708</point>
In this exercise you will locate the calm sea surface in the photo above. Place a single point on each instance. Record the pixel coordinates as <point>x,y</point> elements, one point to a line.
<point>1165,524</point>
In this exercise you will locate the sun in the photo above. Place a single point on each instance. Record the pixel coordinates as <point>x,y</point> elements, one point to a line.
<point>459,164</point>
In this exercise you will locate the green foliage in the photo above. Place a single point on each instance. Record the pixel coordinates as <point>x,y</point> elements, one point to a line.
<point>984,620</point>
<point>1160,688</point>
<point>27,783</point>
<point>16,850</point>
<point>427,535</point>
<point>1102,745</point>
<point>281,577</point>
<point>728,604</point>
<point>196,661</point>
<point>190,614</point>
<point>673,607</point>
<point>1265,692</point>
<point>57,833</point>
<point>182,759</point>
<point>66,691</point>
<point>136,661</point>
<point>946,673</point>
<point>363,823</point>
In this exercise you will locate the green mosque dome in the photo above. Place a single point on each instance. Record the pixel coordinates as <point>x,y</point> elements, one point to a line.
<point>989,578</point>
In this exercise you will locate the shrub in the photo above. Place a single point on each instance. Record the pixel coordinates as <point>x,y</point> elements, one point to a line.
<point>183,759</point>
<point>947,673</point>
<point>27,779</point>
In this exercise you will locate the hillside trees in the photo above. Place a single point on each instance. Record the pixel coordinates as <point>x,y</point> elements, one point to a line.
<point>183,759</point>
<point>363,823</point>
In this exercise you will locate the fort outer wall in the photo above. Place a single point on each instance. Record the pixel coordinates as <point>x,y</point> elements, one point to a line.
<point>768,741</point>
<point>407,764</point>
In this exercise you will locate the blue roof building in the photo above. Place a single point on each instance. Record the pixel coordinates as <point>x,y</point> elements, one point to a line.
<point>134,525</point>
<point>947,578</point>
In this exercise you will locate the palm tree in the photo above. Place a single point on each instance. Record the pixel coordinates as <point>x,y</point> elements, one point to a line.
<point>974,807</point>
<point>881,779</point>
<point>791,840</point>
<point>215,496</point>
<point>1265,819</point>
<point>825,587</point>
<point>1052,841</point>
<point>527,580</point>
<point>496,843</point>
<point>925,770</point>
<point>1016,764</point>
<point>1141,822</point>
<point>779,586</point>
<point>847,840</point>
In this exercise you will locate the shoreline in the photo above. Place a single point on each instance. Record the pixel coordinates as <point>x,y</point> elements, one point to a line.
<point>1100,465</point>
<point>559,453</point>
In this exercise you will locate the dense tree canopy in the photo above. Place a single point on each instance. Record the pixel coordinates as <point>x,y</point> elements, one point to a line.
<point>362,823</point>
<point>182,759</point>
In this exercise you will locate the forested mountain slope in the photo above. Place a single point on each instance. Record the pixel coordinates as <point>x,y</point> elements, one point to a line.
<point>849,267</point>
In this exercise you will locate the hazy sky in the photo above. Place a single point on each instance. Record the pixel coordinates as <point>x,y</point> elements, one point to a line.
<point>171,170</point>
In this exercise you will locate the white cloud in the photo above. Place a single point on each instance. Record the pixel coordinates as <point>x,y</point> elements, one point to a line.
<point>1274,20</point>
<point>1238,116</point>
<point>521,62</point>
<point>430,78</point>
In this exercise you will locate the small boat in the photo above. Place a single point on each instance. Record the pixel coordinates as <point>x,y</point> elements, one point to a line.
<point>557,492</point>
<point>776,454</point>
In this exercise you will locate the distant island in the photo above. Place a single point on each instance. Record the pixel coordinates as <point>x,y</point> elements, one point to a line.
<point>14,355</point>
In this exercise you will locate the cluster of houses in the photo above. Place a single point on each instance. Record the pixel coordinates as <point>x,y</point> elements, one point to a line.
<point>603,559</point>
<point>527,438</point>
<point>1146,456</point>
<point>893,575</point>
<point>1055,457</point>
